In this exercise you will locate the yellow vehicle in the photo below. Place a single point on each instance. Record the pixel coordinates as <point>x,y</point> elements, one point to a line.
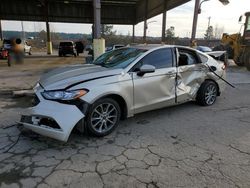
<point>238,46</point>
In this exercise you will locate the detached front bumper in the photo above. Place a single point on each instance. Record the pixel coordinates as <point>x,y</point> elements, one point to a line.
<point>51,118</point>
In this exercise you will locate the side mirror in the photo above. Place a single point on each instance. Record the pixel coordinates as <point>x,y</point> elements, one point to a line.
<point>146,69</point>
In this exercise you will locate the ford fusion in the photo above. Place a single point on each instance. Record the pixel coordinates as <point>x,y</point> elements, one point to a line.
<point>120,84</point>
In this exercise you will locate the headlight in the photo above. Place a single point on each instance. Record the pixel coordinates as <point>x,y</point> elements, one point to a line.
<point>64,95</point>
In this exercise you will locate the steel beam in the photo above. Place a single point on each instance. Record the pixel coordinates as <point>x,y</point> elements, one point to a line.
<point>1,31</point>
<point>133,34</point>
<point>49,43</point>
<point>195,19</point>
<point>164,17</point>
<point>145,22</point>
<point>97,18</point>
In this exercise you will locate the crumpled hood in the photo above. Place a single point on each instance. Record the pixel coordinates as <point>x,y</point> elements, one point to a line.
<point>64,77</point>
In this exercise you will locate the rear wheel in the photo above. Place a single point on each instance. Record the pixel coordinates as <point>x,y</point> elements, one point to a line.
<point>207,93</point>
<point>103,117</point>
<point>247,61</point>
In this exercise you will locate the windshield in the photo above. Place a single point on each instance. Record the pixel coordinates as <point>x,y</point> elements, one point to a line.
<point>119,58</point>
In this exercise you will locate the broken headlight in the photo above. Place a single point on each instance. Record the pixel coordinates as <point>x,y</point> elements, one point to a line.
<point>64,95</point>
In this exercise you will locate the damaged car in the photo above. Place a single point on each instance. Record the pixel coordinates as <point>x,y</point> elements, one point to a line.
<point>120,84</point>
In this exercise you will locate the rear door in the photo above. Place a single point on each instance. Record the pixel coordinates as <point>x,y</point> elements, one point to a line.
<point>155,90</point>
<point>190,74</point>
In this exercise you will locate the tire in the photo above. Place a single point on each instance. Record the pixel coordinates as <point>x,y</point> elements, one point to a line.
<point>240,60</point>
<point>207,93</point>
<point>103,117</point>
<point>247,61</point>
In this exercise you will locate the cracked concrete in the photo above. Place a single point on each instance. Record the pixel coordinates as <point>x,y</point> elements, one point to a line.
<point>182,146</point>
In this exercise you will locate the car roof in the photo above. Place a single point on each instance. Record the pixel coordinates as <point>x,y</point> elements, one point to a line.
<point>154,46</point>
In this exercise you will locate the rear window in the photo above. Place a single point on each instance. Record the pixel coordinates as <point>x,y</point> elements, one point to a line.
<point>66,44</point>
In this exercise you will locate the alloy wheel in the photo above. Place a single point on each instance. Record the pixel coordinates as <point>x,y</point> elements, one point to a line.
<point>210,94</point>
<point>104,117</point>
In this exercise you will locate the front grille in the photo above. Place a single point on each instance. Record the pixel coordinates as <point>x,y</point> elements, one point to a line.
<point>35,100</point>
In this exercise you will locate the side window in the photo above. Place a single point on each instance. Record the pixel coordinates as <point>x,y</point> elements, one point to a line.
<point>161,58</point>
<point>187,58</point>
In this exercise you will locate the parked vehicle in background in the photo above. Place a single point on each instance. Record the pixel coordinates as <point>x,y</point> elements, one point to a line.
<point>3,53</point>
<point>66,48</point>
<point>116,46</point>
<point>204,48</point>
<point>89,49</point>
<point>119,84</point>
<point>27,48</point>
<point>7,45</point>
<point>79,47</point>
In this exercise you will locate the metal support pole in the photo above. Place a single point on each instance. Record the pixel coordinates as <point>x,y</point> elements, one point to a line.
<point>195,19</point>
<point>97,18</point>
<point>98,42</point>
<point>23,32</point>
<point>145,22</point>
<point>49,43</point>
<point>1,31</point>
<point>164,17</point>
<point>133,35</point>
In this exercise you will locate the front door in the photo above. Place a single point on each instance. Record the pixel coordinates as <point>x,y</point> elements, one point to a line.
<point>157,89</point>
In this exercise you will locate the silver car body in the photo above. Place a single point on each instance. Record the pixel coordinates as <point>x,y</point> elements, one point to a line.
<point>162,88</point>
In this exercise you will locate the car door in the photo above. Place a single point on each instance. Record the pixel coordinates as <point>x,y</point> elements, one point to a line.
<point>190,74</point>
<point>157,89</point>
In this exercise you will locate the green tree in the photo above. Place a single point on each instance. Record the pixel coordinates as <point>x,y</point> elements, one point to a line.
<point>107,30</point>
<point>209,33</point>
<point>170,33</point>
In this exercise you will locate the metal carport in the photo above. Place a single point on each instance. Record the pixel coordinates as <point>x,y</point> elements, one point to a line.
<point>128,12</point>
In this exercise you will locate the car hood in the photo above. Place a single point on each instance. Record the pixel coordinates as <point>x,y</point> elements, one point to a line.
<point>65,77</point>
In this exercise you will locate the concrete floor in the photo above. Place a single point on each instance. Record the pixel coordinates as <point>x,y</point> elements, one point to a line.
<point>182,146</point>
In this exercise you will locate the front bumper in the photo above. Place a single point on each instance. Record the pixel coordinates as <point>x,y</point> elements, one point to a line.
<point>51,118</point>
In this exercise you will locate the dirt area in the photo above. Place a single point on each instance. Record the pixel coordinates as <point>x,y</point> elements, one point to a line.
<point>24,76</point>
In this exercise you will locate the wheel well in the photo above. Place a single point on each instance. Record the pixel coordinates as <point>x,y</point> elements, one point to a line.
<point>218,93</point>
<point>122,103</point>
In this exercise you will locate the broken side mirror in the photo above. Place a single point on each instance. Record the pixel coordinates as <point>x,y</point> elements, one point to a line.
<point>146,69</point>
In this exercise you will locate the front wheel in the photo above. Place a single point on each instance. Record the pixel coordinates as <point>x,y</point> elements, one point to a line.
<point>207,93</point>
<point>103,117</point>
